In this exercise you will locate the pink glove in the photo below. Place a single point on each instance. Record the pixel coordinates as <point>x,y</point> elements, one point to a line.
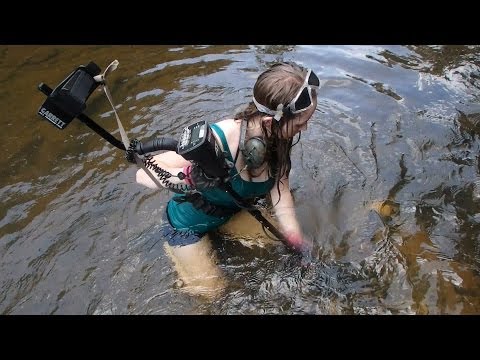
<point>300,245</point>
<point>295,241</point>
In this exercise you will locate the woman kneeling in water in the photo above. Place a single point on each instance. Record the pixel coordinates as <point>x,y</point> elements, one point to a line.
<point>258,142</point>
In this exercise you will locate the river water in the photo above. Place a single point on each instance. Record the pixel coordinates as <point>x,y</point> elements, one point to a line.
<point>384,181</point>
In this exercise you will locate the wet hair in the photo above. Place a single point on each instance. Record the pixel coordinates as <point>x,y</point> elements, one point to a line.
<point>277,85</point>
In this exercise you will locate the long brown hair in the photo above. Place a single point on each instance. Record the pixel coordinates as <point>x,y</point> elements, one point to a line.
<point>277,85</point>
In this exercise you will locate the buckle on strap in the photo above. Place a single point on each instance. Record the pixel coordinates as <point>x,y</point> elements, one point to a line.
<point>187,197</point>
<point>204,205</point>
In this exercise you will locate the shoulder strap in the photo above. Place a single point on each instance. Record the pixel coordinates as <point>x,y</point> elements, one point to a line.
<point>241,143</point>
<point>222,137</point>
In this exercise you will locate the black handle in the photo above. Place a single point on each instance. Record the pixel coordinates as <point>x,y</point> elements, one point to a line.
<point>156,145</point>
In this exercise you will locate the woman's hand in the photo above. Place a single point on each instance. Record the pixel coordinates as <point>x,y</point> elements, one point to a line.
<point>294,240</point>
<point>298,242</point>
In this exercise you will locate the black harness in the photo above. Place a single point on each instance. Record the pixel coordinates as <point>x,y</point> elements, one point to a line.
<point>199,202</point>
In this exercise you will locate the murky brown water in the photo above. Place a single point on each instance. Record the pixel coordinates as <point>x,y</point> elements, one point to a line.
<point>384,182</point>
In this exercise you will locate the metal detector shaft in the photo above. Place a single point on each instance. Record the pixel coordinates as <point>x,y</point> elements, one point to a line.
<point>171,146</point>
<point>268,225</point>
<point>89,122</point>
<point>257,215</point>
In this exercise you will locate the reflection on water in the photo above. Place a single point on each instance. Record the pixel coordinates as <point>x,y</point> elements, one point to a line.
<point>385,181</point>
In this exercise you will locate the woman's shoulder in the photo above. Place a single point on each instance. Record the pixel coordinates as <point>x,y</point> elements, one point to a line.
<point>231,130</point>
<point>228,125</point>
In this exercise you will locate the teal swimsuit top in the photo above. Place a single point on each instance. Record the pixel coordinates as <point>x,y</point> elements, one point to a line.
<point>183,216</point>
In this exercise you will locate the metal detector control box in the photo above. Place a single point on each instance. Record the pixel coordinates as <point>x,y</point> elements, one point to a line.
<point>197,143</point>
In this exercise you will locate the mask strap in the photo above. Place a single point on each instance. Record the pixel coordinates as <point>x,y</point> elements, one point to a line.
<point>279,112</point>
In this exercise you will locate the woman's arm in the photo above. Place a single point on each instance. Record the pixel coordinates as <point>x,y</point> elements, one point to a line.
<point>286,217</point>
<point>169,161</point>
<point>174,163</point>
